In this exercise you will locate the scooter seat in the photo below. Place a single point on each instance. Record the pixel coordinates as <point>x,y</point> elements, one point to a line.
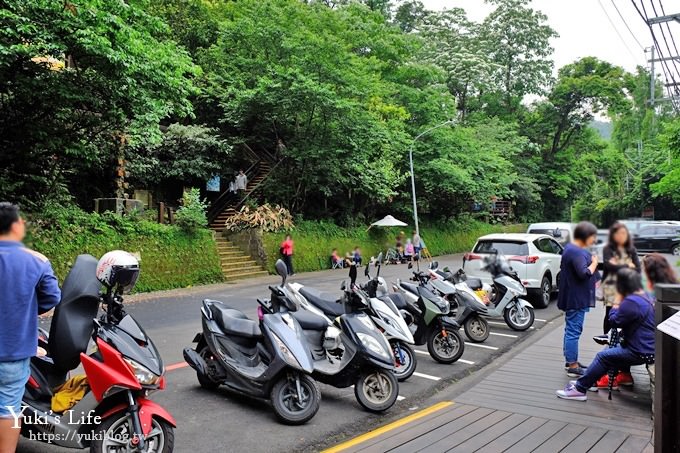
<point>324,302</point>
<point>397,299</point>
<point>309,321</point>
<point>474,283</point>
<point>234,322</point>
<point>411,288</point>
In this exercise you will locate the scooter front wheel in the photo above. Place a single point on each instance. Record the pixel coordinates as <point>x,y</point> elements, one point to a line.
<point>519,317</point>
<point>477,329</point>
<point>377,390</point>
<point>445,345</point>
<point>404,359</point>
<point>115,436</point>
<point>295,398</point>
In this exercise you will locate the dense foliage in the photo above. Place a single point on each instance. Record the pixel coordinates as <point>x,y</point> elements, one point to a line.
<point>169,257</point>
<point>335,90</point>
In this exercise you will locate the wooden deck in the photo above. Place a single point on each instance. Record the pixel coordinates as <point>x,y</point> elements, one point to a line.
<point>514,409</point>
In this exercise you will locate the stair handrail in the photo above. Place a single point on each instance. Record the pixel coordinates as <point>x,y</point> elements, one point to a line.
<point>257,186</point>
<point>217,206</point>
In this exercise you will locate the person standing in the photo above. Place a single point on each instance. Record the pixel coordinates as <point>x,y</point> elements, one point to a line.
<point>417,244</point>
<point>241,181</point>
<point>619,253</point>
<point>578,275</point>
<point>29,288</point>
<point>287,253</point>
<point>633,312</point>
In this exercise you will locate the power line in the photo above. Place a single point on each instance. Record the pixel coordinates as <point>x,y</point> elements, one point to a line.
<point>626,24</point>
<point>611,22</point>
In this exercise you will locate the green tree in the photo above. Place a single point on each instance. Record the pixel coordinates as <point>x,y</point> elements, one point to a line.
<point>519,43</point>
<point>78,80</point>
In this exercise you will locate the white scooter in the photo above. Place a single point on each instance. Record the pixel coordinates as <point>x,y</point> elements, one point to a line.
<point>382,311</point>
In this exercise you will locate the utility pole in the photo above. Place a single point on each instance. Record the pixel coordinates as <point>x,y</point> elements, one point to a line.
<point>652,83</point>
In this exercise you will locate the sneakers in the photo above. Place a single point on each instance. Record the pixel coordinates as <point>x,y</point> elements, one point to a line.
<point>621,380</point>
<point>566,365</point>
<point>576,372</point>
<point>591,389</point>
<point>570,392</point>
<point>603,383</point>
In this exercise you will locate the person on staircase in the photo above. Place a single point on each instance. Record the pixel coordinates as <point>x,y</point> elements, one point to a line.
<point>241,181</point>
<point>287,253</point>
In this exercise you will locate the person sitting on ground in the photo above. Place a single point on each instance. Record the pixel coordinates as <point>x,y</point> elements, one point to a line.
<point>633,312</point>
<point>336,261</point>
<point>356,256</point>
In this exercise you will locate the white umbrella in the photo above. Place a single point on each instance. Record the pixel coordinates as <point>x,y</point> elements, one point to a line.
<point>388,221</point>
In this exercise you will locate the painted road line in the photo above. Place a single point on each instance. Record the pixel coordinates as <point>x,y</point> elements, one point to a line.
<point>540,320</point>
<point>389,427</point>
<point>496,323</point>
<point>400,398</point>
<point>467,362</point>
<point>477,345</point>
<point>176,366</point>
<point>503,335</point>
<point>427,376</point>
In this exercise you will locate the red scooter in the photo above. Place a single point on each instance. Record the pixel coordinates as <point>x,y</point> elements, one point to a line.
<point>123,367</point>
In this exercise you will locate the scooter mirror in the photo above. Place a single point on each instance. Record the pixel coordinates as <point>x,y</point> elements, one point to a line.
<point>366,272</point>
<point>343,285</point>
<point>282,270</point>
<point>379,260</point>
<point>434,265</point>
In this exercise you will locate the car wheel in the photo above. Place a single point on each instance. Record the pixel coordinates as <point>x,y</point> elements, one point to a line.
<point>542,298</point>
<point>676,250</point>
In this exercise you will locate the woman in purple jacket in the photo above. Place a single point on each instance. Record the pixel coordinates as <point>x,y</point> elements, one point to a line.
<point>633,312</point>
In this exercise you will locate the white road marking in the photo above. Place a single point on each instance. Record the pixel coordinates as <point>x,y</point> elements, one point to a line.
<point>400,398</point>
<point>496,323</point>
<point>467,362</point>
<point>426,376</point>
<point>477,345</point>
<point>503,335</point>
<point>540,320</point>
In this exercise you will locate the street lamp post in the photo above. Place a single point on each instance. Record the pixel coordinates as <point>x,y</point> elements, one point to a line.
<point>413,177</point>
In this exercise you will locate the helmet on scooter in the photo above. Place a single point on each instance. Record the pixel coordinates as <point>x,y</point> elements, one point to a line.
<point>118,270</point>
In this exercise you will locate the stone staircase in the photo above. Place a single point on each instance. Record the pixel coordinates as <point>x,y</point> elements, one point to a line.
<point>236,264</point>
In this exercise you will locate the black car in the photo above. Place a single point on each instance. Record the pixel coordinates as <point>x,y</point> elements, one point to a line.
<point>661,238</point>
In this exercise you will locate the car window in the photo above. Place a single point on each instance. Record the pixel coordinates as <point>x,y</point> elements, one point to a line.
<point>556,247</point>
<point>647,231</point>
<point>503,247</point>
<point>666,231</point>
<point>543,244</point>
<point>564,234</point>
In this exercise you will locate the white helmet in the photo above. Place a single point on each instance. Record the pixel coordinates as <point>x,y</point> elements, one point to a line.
<point>118,269</point>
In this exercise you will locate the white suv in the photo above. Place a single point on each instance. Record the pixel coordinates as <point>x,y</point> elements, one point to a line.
<point>535,257</point>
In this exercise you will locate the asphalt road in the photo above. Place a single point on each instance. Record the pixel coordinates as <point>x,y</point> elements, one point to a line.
<point>222,421</point>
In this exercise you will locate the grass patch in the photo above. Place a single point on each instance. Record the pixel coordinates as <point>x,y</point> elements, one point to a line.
<point>314,241</point>
<point>170,257</point>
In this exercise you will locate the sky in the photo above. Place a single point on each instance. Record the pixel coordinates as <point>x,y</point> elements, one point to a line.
<point>583,27</point>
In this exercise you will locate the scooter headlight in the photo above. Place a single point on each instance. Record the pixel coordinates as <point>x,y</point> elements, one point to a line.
<point>373,345</point>
<point>285,352</point>
<point>142,373</point>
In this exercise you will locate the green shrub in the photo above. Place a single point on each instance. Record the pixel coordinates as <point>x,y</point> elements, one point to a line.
<point>191,216</point>
<point>314,241</point>
<point>170,257</point>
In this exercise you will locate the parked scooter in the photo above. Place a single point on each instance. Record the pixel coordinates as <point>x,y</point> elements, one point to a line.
<point>427,316</point>
<point>389,320</point>
<point>505,298</point>
<point>265,360</point>
<point>346,346</point>
<point>115,413</point>
<point>466,306</point>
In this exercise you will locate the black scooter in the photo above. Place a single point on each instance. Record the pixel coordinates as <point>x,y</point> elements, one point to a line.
<point>266,360</point>
<point>349,350</point>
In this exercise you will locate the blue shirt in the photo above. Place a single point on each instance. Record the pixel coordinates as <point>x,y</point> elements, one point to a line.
<point>577,283</point>
<point>27,287</point>
<point>635,316</point>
